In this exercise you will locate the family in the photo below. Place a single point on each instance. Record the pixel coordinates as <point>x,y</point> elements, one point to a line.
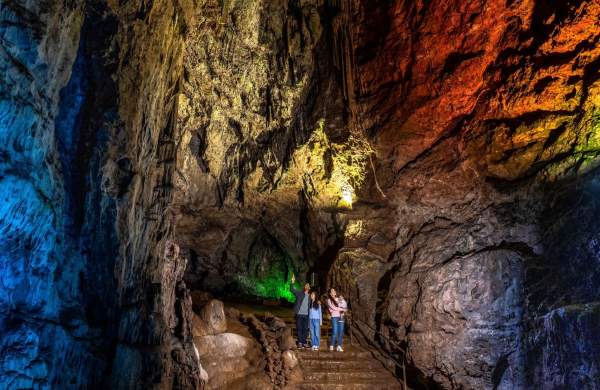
<point>309,316</point>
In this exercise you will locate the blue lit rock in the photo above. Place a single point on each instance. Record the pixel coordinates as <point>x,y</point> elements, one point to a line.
<point>92,292</point>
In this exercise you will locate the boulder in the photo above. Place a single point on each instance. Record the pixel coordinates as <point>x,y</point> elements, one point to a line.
<point>228,357</point>
<point>210,320</point>
<point>290,360</point>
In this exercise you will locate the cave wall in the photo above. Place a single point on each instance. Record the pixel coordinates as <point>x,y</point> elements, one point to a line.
<point>466,133</point>
<point>259,80</point>
<point>484,119</point>
<point>436,160</point>
<point>91,278</point>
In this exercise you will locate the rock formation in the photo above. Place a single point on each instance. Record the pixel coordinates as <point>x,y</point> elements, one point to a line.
<point>434,160</point>
<point>244,351</point>
<point>92,290</point>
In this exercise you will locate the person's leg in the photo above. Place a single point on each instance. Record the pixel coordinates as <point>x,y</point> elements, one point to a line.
<point>317,334</point>
<point>298,329</point>
<point>334,328</point>
<point>303,329</point>
<point>307,324</point>
<point>340,333</point>
<point>312,332</point>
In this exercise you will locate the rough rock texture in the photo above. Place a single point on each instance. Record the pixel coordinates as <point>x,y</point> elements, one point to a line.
<point>434,160</point>
<point>248,353</point>
<point>91,278</point>
<point>210,320</point>
<point>484,119</point>
<point>446,171</point>
<point>259,76</point>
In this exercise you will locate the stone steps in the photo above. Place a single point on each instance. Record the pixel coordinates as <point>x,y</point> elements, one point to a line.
<point>324,354</point>
<point>353,369</point>
<point>340,365</point>
<point>355,385</point>
<point>329,375</point>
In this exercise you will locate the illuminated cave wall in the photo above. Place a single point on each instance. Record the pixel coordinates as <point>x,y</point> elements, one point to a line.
<point>88,270</point>
<point>484,119</point>
<point>436,161</point>
<point>264,146</point>
<point>465,136</point>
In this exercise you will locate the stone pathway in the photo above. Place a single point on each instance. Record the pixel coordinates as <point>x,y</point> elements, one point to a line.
<point>353,369</point>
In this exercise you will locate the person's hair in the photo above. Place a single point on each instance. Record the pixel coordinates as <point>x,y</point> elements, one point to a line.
<point>316,304</point>
<point>334,300</point>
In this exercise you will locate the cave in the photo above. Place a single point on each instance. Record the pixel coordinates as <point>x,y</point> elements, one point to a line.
<point>167,167</point>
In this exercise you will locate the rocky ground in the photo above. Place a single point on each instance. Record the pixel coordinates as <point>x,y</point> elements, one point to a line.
<point>243,350</point>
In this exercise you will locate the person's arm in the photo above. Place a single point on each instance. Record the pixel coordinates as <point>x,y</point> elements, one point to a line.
<point>320,316</point>
<point>331,306</point>
<point>293,289</point>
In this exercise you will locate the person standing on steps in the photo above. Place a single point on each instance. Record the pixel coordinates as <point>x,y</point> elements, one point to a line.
<point>343,305</point>
<point>301,308</point>
<point>337,335</point>
<point>315,317</point>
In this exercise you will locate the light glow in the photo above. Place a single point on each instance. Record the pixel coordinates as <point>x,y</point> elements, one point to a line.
<point>347,195</point>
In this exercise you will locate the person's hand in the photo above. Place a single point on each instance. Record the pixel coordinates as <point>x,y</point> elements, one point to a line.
<point>293,278</point>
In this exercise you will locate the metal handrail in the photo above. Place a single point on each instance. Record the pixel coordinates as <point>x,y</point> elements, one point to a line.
<point>393,359</point>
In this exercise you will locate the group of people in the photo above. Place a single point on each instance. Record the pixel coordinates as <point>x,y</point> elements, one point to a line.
<point>309,317</point>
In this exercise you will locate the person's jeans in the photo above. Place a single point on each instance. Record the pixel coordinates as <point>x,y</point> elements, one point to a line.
<point>337,331</point>
<point>315,332</point>
<point>302,328</point>
<point>340,332</point>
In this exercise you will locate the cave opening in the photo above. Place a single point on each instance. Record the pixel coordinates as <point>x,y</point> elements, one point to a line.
<point>253,262</point>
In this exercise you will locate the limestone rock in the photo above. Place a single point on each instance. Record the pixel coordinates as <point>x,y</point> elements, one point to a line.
<point>287,341</point>
<point>228,357</point>
<point>211,320</point>
<point>290,361</point>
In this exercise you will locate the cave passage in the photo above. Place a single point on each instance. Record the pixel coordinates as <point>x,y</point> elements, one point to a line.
<point>166,166</point>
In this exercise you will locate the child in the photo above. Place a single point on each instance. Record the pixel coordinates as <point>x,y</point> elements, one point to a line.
<point>316,320</point>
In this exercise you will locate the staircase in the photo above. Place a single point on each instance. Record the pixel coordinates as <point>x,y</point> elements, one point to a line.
<point>353,369</point>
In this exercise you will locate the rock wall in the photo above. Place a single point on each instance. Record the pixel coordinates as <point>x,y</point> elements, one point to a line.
<point>484,119</point>
<point>437,180</point>
<point>91,278</point>
<point>259,80</point>
<point>436,161</point>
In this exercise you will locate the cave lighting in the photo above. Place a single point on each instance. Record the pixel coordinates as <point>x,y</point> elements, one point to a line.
<point>346,195</point>
<point>269,287</point>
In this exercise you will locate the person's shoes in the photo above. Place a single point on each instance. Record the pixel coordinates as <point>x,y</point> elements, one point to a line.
<point>339,348</point>
<point>331,347</point>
